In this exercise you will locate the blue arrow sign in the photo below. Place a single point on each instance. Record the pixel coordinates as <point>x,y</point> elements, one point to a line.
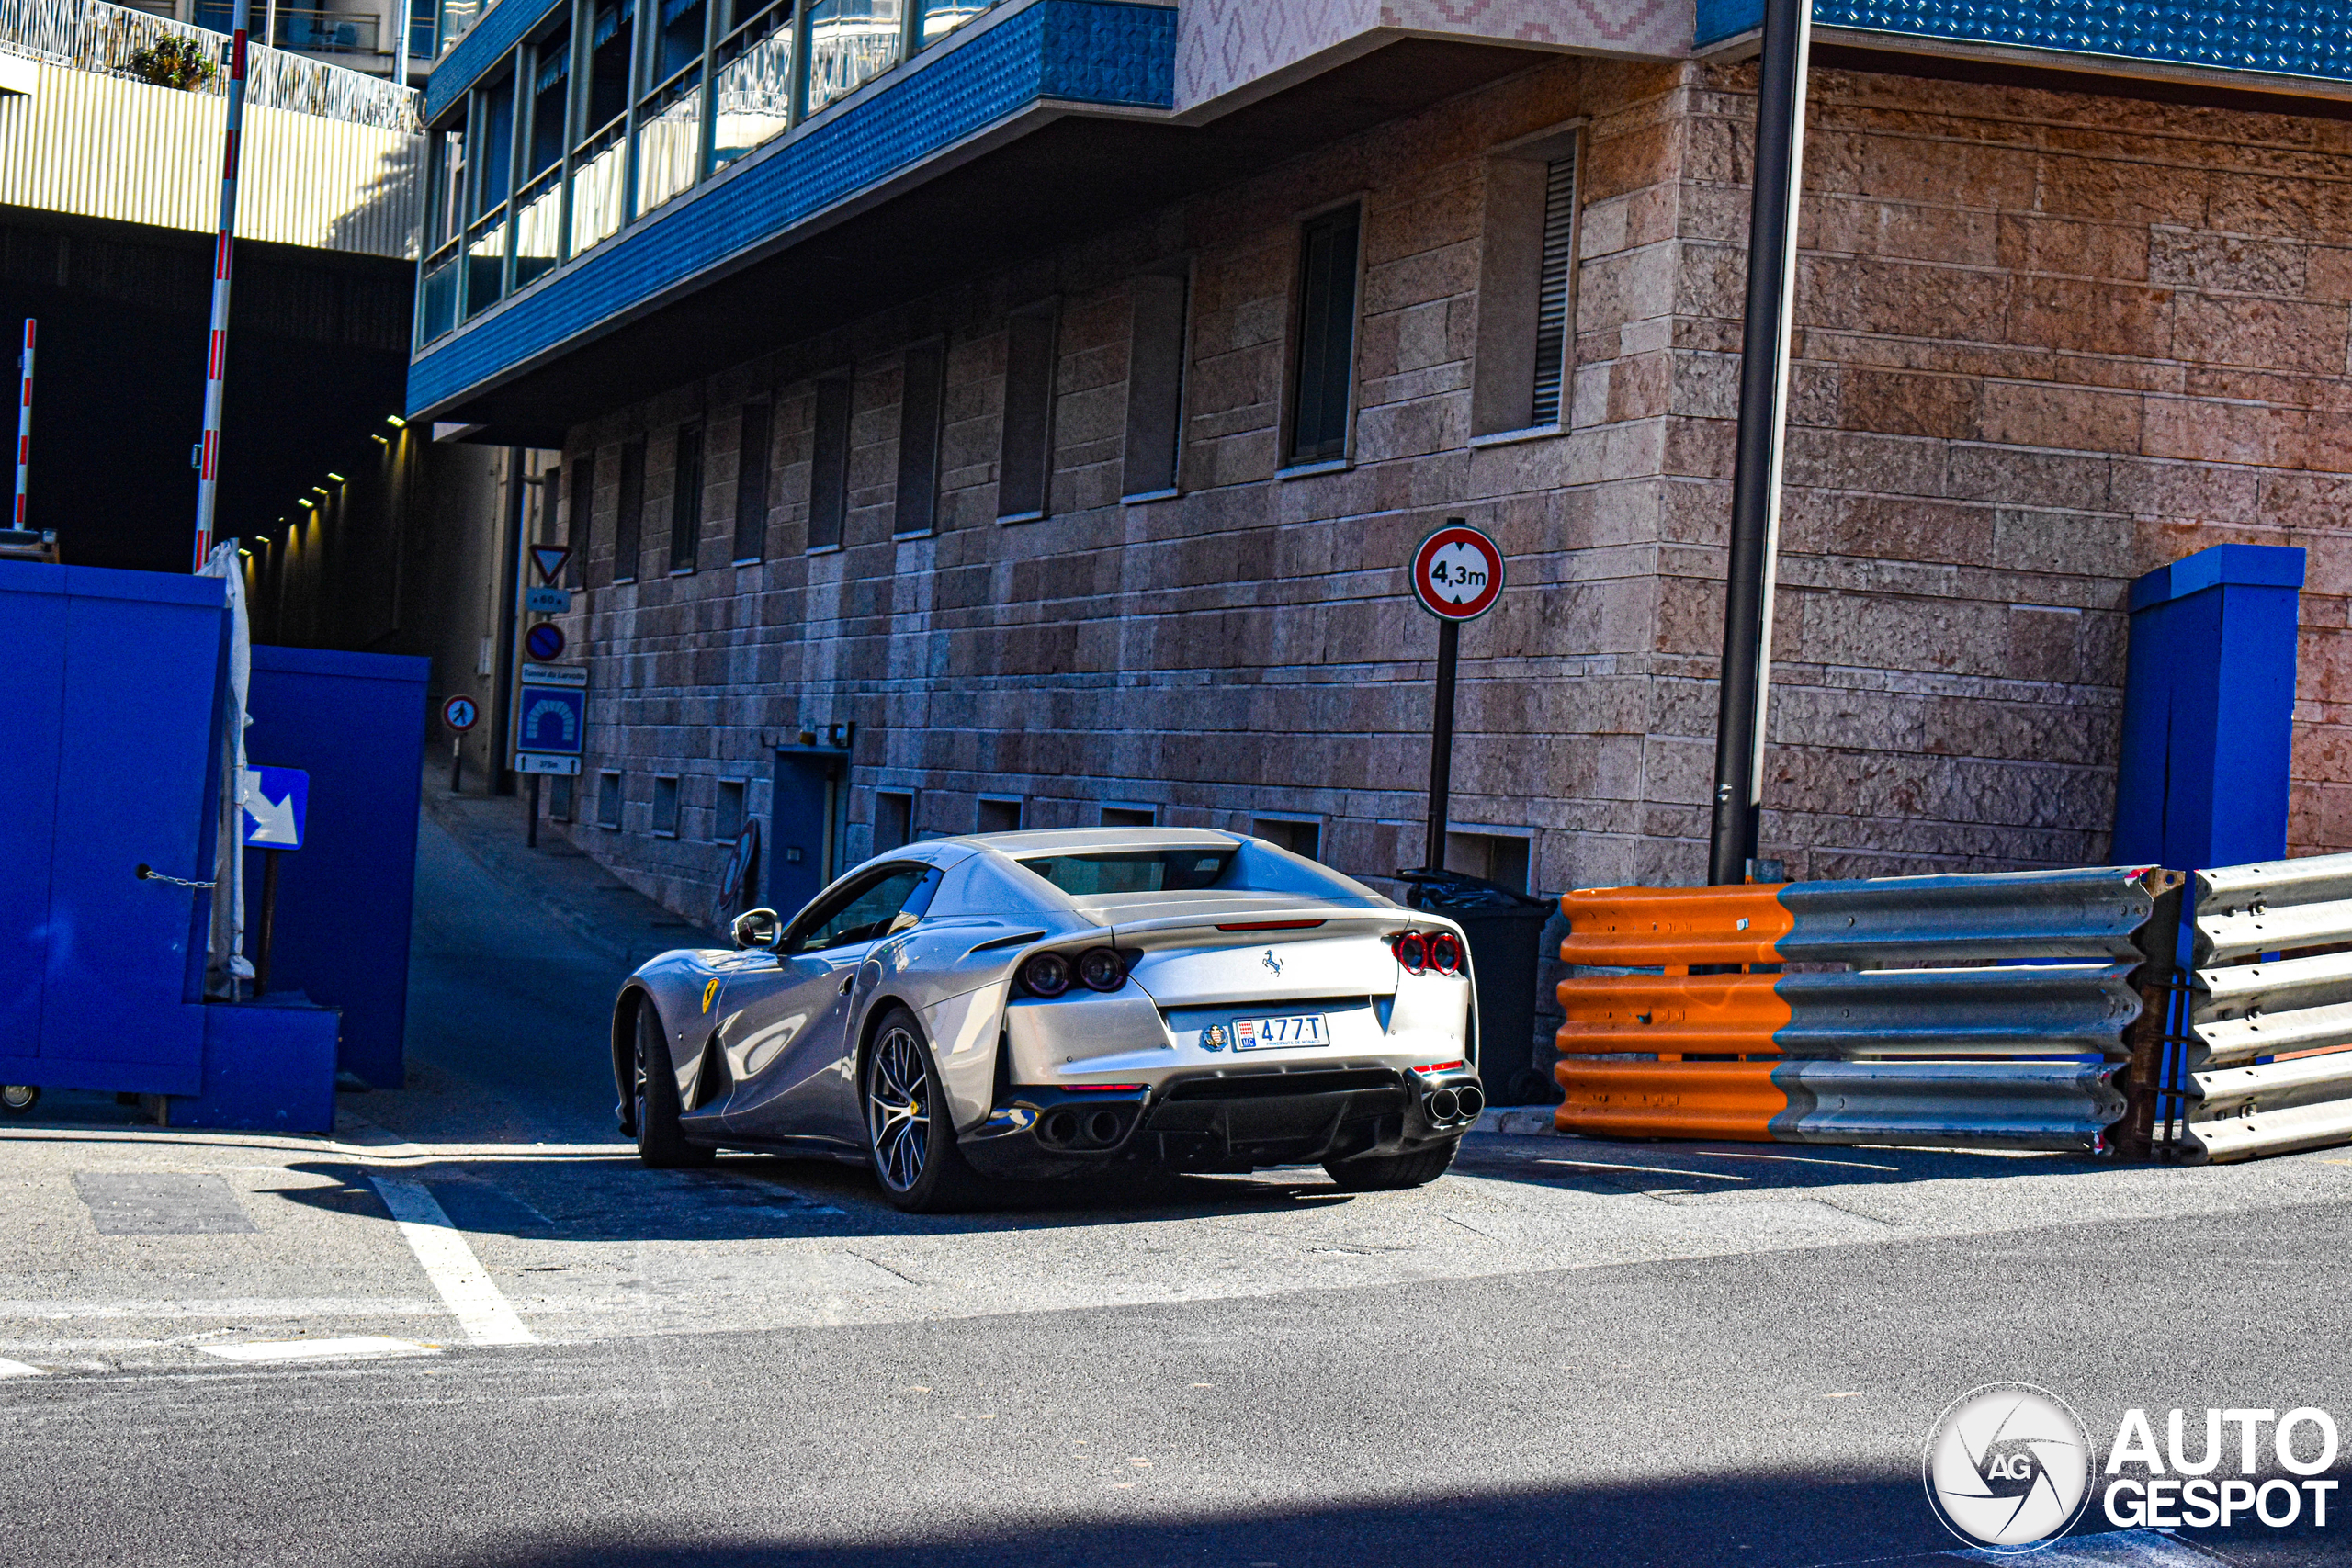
<point>277,804</point>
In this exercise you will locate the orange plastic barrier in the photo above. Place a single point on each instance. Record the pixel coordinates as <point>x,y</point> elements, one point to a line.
<point>1669,1100</point>
<point>1674,928</point>
<point>1668,1016</point>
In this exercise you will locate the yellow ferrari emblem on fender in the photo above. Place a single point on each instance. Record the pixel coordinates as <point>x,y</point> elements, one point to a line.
<point>709,995</point>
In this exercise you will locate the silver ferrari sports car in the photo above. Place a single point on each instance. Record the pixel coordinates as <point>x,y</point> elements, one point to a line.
<point>1058,1004</point>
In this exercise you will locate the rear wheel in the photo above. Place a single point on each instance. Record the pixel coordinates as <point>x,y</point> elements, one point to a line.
<point>910,1131</point>
<point>659,1144</point>
<point>1386,1173</point>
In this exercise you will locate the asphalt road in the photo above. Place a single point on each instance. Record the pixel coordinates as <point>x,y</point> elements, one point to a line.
<point>1565,1352</point>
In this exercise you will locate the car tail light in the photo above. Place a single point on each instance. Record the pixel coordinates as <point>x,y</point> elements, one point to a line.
<point>1413,952</point>
<point>1273,925</point>
<point>1046,975</point>
<point>1103,1088</point>
<point>1102,969</point>
<point>1445,953</point>
<point>1442,1067</point>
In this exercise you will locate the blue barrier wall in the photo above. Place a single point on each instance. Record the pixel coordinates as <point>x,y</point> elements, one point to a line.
<point>110,758</point>
<point>2207,705</point>
<point>354,722</point>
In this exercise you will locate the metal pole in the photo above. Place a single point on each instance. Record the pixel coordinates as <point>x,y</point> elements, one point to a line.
<point>216,357</point>
<point>399,49</point>
<point>1449,651</point>
<point>1763,404</point>
<point>531,839</point>
<point>457,764</point>
<point>268,921</point>
<point>24,418</point>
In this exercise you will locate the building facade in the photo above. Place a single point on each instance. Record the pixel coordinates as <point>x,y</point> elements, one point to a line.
<point>1027,419</point>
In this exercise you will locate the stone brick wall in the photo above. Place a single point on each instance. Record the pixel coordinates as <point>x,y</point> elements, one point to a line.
<point>2047,343</point>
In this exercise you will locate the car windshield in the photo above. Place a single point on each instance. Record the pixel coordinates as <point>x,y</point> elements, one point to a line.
<point>1132,871</point>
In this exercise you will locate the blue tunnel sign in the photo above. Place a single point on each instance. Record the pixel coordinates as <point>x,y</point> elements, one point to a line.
<point>551,718</point>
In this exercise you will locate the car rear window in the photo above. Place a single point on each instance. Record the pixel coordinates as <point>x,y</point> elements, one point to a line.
<point>1132,871</point>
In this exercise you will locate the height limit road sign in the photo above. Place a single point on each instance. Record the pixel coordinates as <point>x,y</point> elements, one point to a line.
<point>1457,573</point>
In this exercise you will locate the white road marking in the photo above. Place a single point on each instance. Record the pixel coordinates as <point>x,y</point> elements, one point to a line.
<point>234,1306</point>
<point>18,1369</point>
<point>365,1347</point>
<point>451,1265</point>
<point>1644,1169</point>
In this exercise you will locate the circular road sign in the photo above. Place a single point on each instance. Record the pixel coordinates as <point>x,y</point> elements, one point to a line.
<point>460,713</point>
<point>543,643</point>
<point>1458,573</point>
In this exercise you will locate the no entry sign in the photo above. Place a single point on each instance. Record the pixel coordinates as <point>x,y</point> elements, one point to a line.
<point>1457,573</point>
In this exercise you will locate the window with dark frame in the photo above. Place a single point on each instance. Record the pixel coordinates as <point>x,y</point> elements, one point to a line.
<point>751,482</point>
<point>1156,384</point>
<point>629,543</point>
<point>686,499</point>
<point>894,820</point>
<point>608,800</point>
<point>560,803</point>
<point>726,818</point>
<point>1323,391</point>
<point>829,472</point>
<point>1024,463</point>
<point>580,507</point>
<point>921,401</point>
<point>665,806</point>
<point>1552,288</point>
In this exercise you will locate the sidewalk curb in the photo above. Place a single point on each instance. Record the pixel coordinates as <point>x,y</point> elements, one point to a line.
<point>1516,1121</point>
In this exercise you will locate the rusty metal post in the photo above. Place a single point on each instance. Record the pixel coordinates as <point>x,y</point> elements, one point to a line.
<point>2157,980</point>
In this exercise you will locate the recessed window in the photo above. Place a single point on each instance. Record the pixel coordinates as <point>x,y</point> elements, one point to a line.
<point>1155,384</point>
<point>685,498</point>
<point>577,511</point>
<point>1323,391</point>
<point>1299,836</point>
<point>829,472</point>
<point>628,523</point>
<point>894,820</point>
<point>1496,857</point>
<point>608,800</point>
<point>726,818</point>
<point>1130,816</point>
<point>1526,287</point>
<point>1000,814</point>
<point>665,806</point>
<point>752,482</point>
<point>560,797</point>
<point>920,403</point>
<point>1025,465</point>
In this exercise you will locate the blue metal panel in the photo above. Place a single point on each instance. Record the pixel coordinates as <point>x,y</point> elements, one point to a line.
<point>354,722</point>
<point>32,603</point>
<point>2207,708</point>
<point>1090,51</point>
<point>2291,37</point>
<point>268,1066</point>
<point>485,44</point>
<point>137,781</point>
<point>805,819</point>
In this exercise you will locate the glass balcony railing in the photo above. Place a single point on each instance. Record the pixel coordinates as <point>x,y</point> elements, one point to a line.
<point>438,297</point>
<point>941,17</point>
<point>668,139</point>
<point>485,262</point>
<point>599,180</point>
<point>324,32</point>
<point>538,227</point>
<point>752,92</point>
<point>849,43</point>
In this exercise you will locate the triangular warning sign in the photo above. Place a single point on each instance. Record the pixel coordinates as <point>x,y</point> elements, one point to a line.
<point>549,559</point>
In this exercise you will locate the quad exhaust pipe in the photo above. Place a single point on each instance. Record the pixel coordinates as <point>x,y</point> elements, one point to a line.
<point>1068,1128</point>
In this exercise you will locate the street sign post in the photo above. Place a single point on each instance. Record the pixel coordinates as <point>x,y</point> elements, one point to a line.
<point>545,601</point>
<point>277,810</point>
<point>550,561</point>
<point>461,713</point>
<point>1457,576</point>
<point>543,643</point>
<point>551,719</point>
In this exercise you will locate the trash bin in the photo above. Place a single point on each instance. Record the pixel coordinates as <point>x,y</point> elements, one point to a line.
<point>1505,929</point>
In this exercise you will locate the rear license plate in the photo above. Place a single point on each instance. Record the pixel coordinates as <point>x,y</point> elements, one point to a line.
<point>1263,1033</point>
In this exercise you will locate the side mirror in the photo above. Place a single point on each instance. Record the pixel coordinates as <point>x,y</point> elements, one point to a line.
<point>756,927</point>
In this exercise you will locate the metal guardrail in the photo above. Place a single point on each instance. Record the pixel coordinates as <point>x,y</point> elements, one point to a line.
<point>2265,1060</point>
<point>1938,1055</point>
<point>91,35</point>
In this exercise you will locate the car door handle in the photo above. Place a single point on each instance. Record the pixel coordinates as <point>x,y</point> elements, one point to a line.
<point>848,980</point>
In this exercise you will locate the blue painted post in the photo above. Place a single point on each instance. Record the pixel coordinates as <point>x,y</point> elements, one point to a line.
<point>2206,709</point>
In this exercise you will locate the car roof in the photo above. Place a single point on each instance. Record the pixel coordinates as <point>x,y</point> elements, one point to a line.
<point>1081,841</point>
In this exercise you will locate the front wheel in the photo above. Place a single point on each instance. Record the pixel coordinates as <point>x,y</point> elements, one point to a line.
<point>1388,1173</point>
<point>659,1144</point>
<point>909,1128</point>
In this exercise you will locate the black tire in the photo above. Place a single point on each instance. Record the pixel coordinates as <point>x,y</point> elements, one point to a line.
<point>660,1145</point>
<point>19,1098</point>
<point>1388,1173</point>
<point>910,1132</point>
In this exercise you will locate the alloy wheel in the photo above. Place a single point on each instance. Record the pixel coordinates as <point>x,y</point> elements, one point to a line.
<point>894,1111</point>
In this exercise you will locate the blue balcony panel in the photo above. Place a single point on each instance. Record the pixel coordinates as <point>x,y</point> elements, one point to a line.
<point>501,26</point>
<point>2292,38</point>
<point>1098,53</point>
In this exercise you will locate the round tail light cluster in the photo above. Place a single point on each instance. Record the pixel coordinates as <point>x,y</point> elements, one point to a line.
<point>1441,951</point>
<point>1051,974</point>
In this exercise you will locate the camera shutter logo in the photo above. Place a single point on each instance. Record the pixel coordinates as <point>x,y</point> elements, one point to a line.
<point>2008,1467</point>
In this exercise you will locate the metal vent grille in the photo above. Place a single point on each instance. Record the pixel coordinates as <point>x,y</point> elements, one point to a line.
<point>1552,294</point>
